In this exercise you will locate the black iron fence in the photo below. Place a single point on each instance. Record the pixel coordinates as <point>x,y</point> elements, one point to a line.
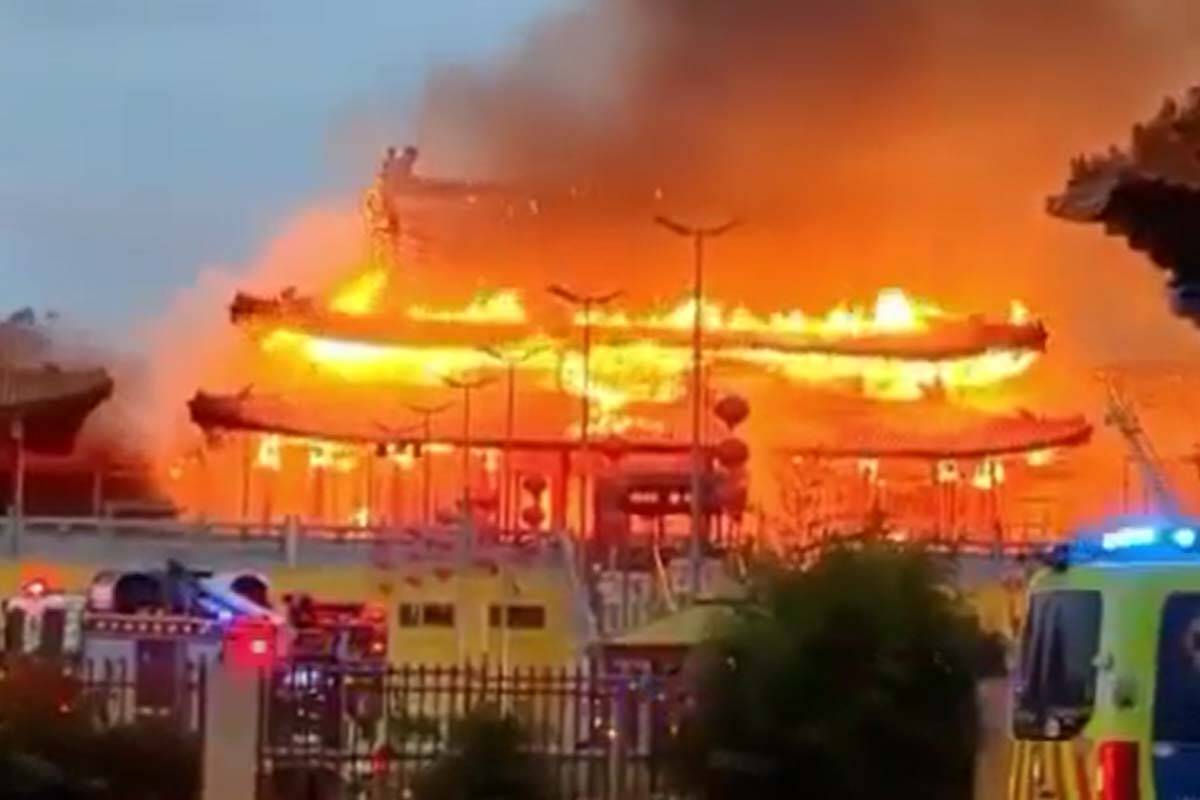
<point>114,693</point>
<point>335,733</point>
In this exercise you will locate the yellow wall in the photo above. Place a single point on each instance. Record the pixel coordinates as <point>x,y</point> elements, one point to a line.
<point>471,589</point>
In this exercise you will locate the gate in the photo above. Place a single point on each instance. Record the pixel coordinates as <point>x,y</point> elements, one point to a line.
<point>342,733</point>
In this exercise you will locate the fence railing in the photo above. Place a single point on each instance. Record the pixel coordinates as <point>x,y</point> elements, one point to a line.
<point>337,733</point>
<point>113,694</point>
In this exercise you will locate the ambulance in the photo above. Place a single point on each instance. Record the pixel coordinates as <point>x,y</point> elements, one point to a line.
<point>1105,700</point>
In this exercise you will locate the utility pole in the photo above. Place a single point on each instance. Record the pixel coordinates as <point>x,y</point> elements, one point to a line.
<point>511,359</point>
<point>585,303</point>
<point>427,413</point>
<point>698,235</point>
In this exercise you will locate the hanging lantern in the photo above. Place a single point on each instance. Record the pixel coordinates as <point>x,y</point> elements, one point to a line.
<point>732,409</point>
<point>533,516</point>
<point>732,453</point>
<point>613,447</point>
<point>534,484</point>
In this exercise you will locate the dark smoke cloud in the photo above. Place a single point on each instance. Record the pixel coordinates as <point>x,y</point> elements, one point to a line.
<point>868,142</point>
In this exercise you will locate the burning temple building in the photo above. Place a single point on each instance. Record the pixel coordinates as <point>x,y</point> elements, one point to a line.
<point>368,403</point>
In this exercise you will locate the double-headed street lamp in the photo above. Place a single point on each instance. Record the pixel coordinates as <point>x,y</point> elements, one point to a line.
<point>427,413</point>
<point>510,359</point>
<point>697,235</point>
<point>467,385</point>
<point>585,303</point>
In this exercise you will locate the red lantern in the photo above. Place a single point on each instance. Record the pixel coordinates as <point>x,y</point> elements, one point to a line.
<point>613,447</point>
<point>534,484</point>
<point>443,573</point>
<point>533,516</point>
<point>732,453</point>
<point>732,409</point>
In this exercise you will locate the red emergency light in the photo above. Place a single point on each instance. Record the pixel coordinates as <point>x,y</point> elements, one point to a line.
<point>36,587</point>
<point>251,644</point>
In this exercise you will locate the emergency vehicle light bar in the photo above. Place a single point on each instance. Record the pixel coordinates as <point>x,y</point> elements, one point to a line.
<point>1151,540</point>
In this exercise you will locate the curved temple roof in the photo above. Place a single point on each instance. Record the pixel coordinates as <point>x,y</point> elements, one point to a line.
<point>945,339</point>
<point>973,436</point>
<point>51,403</point>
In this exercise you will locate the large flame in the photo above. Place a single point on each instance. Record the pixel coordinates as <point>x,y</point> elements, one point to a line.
<point>644,360</point>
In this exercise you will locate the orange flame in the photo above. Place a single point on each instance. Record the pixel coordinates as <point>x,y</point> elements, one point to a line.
<point>361,295</point>
<point>268,457</point>
<point>649,369</point>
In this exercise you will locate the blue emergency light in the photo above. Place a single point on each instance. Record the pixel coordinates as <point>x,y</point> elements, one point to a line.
<point>1134,540</point>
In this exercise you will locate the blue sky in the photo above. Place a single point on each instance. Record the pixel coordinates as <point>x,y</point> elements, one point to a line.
<point>141,140</point>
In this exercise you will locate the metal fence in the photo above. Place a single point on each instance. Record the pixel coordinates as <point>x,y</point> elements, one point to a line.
<point>341,734</point>
<point>113,694</point>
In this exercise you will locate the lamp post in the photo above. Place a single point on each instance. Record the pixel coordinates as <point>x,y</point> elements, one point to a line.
<point>584,302</point>
<point>17,434</point>
<point>467,385</point>
<point>511,359</point>
<point>427,413</point>
<point>698,235</point>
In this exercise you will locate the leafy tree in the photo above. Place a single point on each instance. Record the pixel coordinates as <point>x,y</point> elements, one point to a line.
<point>487,759</point>
<point>852,679</point>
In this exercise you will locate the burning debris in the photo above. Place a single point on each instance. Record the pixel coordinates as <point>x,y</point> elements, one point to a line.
<point>1149,193</point>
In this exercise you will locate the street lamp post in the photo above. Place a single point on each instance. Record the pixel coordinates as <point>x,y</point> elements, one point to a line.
<point>467,385</point>
<point>17,434</point>
<point>511,360</point>
<point>427,413</point>
<point>584,302</point>
<point>697,235</point>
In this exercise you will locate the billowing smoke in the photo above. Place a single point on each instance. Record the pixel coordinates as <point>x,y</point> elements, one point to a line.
<point>866,143</point>
<point>191,343</point>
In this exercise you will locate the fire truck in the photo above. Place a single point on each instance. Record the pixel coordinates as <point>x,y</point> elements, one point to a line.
<point>327,696</point>
<point>335,676</point>
<point>150,631</point>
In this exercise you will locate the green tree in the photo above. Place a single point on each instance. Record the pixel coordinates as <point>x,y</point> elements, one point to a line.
<point>853,679</point>
<point>487,758</point>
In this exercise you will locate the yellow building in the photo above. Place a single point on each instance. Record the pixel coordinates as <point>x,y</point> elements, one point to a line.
<point>518,606</point>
